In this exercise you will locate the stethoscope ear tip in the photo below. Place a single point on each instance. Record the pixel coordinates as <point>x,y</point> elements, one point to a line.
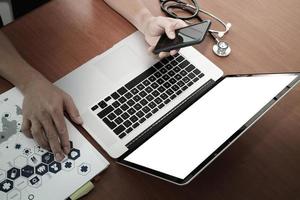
<point>228,25</point>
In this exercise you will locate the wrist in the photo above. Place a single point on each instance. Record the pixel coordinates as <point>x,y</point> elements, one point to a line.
<point>143,18</point>
<point>31,80</point>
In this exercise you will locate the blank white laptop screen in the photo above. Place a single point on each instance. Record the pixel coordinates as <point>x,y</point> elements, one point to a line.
<point>184,143</point>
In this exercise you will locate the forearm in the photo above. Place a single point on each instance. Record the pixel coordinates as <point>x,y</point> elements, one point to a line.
<point>133,10</point>
<point>13,67</point>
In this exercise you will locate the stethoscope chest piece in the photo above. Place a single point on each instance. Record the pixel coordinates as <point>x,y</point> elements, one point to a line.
<point>221,49</point>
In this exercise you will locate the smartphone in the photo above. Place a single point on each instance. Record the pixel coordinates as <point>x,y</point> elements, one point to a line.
<point>186,36</point>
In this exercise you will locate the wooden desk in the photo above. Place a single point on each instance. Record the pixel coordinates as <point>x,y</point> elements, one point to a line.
<point>262,164</point>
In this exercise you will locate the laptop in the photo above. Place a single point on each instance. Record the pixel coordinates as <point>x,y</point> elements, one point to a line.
<point>169,118</point>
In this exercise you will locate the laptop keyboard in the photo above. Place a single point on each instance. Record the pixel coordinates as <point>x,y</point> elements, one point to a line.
<point>135,102</point>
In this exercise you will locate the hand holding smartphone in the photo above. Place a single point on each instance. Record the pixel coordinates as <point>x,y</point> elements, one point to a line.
<point>186,36</point>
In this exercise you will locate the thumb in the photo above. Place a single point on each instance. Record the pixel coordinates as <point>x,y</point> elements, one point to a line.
<point>72,110</point>
<point>170,31</point>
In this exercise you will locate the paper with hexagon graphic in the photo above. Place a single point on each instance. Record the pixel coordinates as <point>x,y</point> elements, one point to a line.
<point>28,171</point>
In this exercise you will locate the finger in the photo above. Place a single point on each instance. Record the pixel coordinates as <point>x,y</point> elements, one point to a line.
<point>26,127</point>
<point>59,121</point>
<point>38,134</point>
<point>180,24</point>
<point>173,52</point>
<point>163,54</point>
<point>53,139</point>
<point>72,110</point>
<point>150,49</point>
<point>170,30</point>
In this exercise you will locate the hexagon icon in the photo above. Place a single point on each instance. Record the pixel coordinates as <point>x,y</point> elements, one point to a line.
<point>20,183</point>
<point>84,169</point>
<point>35,181</point>
<point>54,167</point>
<point>27,171</point>
<point>74,154</point>
<point>47,158</point>
<point>13,173</point>
<point>68,165</point>
<point>2,174</point>
<point>27,152</point>
<point>6,185</point>
<point>39,150</point>
<point>41,169</point>
<point>20,161</point>
<point>14,195</point>
<point>34,160</point>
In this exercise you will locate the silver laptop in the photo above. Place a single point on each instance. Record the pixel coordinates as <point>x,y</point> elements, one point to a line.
<point>135,107</point>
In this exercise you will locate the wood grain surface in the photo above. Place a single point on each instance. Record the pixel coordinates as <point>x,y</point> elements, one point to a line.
<point>263,164</point>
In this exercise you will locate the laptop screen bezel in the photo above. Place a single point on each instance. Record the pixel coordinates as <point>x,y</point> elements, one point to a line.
<point>221,148</point>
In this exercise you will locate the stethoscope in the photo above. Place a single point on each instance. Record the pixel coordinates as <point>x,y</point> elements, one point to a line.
<point>220,48</point>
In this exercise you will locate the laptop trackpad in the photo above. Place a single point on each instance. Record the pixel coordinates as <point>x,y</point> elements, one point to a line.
<point>121,65</point>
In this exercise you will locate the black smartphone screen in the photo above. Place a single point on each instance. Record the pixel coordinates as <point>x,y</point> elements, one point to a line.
<point>186,36</point>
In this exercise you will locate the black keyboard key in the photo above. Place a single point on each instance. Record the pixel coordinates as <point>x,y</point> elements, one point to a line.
<point>107,98</point>
<point>174,63</point>
<point>157,74</point>
<point>122,100</point>
<point>169,92</point>
<point>186,79</point>
<point>111,116</point>
<point>191,75</point>
<point>170,58</point>
<point>146,109</point>
<point>118,111</point>
<point>148,115</point>
<point>133,119</point>
<point>148,89</point>
<point>149,97</point>
<point>134,91</point>
<point>118,120</point>
<point>129,130</point>
<point>146,82</point>
<point>173,96</point>
<point>140,114</point>
<point>172,81</point>
<point>190,83</point>
<point>183,64</point>
<point>155,93</point>
<point>152,105</point>
<point>163,70</point>
<point>137,106</point>
<point>180,59</point>
<point>128,95</point>
<point>166,77</point>
<point>164,61</point>
<point>122,135</point>
<point>122,90</point>
<point>201,75</point>
<point>160,106</point>
<point>140,87</point>
<point>160,81</point>
<point>116,104</point>
<point>127,123</point>
<point>184,87</point>
<point>106,111</point>
<point>142,94</point>
<point>142,120</point>
<point>125,116</point>
<point>154,85</point>
<point>131,111</point>
<point>197,71</point>
<point>164,96</point>
<point>119,129</point>
<point>130,102</point>
<point>171,73</point>
<point>161,89</point>
<point>102,104</point>
<point>124,107</point>
<point>136,98</point>
<point>140,78</point>
<point>110,124</point>
<point>169,67</point>
<point>178,92</point>
<point>195,79</point>
<point>154,110</point>
<point>183,72</point>
<point>158,65</point>
<point>190,68</point>
<point>158,100</point>
<point>135,125</point>
<point>94,107</point>
<point>143,102</point>
<point>167,85</point>
<point>167,101</point>
<point>177,69</point>
<point>175,87</point>
<point>178,76</point>
<point>115,95</point>
<point>152,78</point>
<point>180,83</point>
